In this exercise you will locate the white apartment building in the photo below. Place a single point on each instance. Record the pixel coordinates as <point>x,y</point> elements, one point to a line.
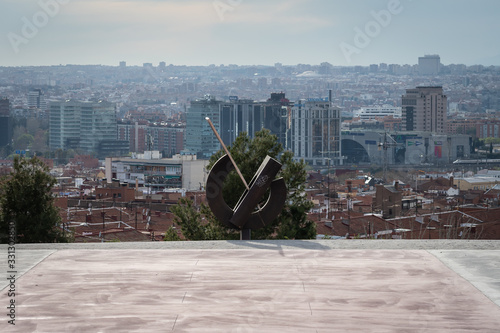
<point>377,112</point>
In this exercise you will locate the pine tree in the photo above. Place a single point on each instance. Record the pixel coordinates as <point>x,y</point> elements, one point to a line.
<point>171,235</point>
<point>248,154</point>
<point>26,199</point>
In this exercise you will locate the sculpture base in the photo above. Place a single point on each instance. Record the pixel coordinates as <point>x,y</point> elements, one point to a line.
<point>246,234</point>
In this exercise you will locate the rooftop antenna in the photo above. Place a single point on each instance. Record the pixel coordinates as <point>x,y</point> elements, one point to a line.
<point>386,145</point>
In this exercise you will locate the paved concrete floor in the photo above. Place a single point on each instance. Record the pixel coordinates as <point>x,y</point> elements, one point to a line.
<point>254,287</point>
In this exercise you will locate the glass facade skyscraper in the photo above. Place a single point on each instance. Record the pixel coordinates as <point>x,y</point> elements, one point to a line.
<point>82,125</point>
<point>5,122</point>
<point>199,138</point>
<point>231,118</point>
<point>311,129</point>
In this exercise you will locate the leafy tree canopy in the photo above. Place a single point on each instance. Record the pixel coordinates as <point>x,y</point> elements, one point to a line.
<point>248,154</point>
<point>26,199</point>
<point>488,141</point>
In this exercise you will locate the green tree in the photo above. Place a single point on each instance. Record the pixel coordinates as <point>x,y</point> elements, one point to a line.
<point>248,154</point>
<point>26,199</point>
<point>171,235</point>
<point>197,224</point>
<point>490,140</point>
<point>40,145</point>
<point>23,142</point>
<point>189,218</point>
<point>32,126</point>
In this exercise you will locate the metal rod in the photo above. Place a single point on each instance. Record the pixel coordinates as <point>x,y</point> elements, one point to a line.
<point>227,152</point>
<point>247,234</point>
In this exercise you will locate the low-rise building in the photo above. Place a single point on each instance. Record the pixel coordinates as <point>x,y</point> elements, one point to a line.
<point>388,199</point>
<point>157,173</point>
<point>476,183</point>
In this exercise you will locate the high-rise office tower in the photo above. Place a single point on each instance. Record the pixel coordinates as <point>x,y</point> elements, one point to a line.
<point>199,138</point>
<point>243,115</point>
<point>99,125</point>
<point>424,109</point>
<point>429,64</point>
<point>276,113</point>
<point>233,117</point>
<point>315,132</point>
<point>237,116</point>
<point>64,125</point>
<point>89,126</point>
<point>5,122</point>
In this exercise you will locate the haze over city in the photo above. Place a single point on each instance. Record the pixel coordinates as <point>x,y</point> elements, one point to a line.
<point>243,32</point>
<point>375,97</point>
<point>250,165</point>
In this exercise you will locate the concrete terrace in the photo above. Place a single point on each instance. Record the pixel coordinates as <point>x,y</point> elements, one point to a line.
<point>255,286</point>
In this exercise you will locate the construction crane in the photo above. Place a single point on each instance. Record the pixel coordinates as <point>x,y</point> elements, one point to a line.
<point>386,145</point>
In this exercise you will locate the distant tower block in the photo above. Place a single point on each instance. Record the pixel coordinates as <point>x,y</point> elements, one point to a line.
<point>123,64</point>
<point>429,64</point>
<point>5,122</point>
<point>424,109</point>
<point>36,100</point>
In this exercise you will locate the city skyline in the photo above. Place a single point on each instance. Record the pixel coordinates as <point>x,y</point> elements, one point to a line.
<point>196,32</point>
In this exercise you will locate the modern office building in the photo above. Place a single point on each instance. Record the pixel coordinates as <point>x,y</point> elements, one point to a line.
<point>315,132</point>
<point>36,100</point>
<point>85,126</point>
<point>64,125</point>
<point>237,116</point>
<point>429,64</point>
<point>231,118</point>
<point>98,124</point>
<point>5,122</point>
<point>276,113</point>
<point>143,136</point>
<point>424,109</point>
<point>199,138</point>
<point>243,115</point>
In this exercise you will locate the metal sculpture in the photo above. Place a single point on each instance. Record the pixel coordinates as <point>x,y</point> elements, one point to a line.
<point>247,215</point>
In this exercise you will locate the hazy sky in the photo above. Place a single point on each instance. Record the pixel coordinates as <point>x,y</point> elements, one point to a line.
<point>248,32</point>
